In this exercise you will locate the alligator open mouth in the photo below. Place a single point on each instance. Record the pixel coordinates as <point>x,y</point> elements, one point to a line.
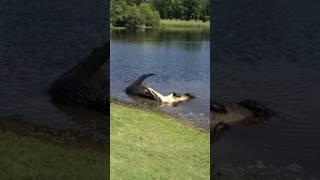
<point>137,88</point>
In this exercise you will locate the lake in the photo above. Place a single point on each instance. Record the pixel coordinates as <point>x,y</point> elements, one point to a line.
<point>179,58</point>
<point>39,41</point>
<point>269,52</point>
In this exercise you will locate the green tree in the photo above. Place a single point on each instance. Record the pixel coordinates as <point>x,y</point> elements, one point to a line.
<point>204,10</point>
<point>133,17</point>
<point>182,9</point>
<point>136,13</point>
<point>117,10</point>
<point>164,7</point>
<point>151,17</point>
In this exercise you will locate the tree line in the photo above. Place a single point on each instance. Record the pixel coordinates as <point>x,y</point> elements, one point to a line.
<point>183,9</point>
<point>137,13</point>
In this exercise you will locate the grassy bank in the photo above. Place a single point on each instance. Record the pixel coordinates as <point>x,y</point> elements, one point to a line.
<point>176,24</point>
<point>149,145</point>
<point>116,28</point>
<point>28,152</point>
<point>144,145</point>
<point>182,24</point>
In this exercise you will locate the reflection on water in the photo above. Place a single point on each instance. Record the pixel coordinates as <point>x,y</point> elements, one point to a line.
<point>180,60</point>
<point>270,54</point>
<point>39,41</point>
<point>162,35</point>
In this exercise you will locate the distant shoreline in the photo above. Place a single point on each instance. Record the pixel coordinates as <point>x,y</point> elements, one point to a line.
<point>173,23</point>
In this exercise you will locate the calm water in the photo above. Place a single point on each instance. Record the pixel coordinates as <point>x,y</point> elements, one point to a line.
<point>39,41</point>
<point>269,52</point>
<point>180,61</point>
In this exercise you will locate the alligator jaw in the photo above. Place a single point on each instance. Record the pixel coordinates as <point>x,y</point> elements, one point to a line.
<point>137,88</point>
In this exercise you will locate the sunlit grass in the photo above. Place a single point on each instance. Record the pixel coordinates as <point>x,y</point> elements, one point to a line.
<point>183,24</point>
<point>148,145</point>
<point>176,25</point>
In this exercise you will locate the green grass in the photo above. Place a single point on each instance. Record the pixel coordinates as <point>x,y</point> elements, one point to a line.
<point>182,24</point>
<point>144,145</point>
<point>176,25</point>
<point>24,157</point>
<point>148,145</point>
<point>116,28</point>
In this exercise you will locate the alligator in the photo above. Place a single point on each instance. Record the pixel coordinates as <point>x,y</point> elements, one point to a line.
<point>86,83</point>
<point>137,88</point>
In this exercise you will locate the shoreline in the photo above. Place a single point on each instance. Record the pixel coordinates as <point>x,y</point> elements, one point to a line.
<point>173,24</point>
<point>17,136</point>
<point>63,147</point>
<point>185,121</point>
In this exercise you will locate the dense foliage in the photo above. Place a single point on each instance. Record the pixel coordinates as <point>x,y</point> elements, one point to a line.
<point>137,13</point>
<point>126,13</point>
<point>182,9</point>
